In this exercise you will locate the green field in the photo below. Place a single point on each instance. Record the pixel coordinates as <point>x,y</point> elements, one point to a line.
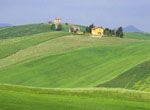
<point>135,78</point>
<point>27,30</point>
<point>24,98</point>
<point>19,31</point>
<point>141,36</point>
<point>11,46</point>
<point>36,58</point>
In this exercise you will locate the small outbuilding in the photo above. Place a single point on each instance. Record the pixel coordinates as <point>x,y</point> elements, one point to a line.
<point>75,30</point>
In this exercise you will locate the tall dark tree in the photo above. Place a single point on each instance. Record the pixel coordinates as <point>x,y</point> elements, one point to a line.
<point>107,32</point>
<point>89,28</point>
<point>113,32</point>
<point>119,32</point>
<point>66,23</point>
<point>53,27</point>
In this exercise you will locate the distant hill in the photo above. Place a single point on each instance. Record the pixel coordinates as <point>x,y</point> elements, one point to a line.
<point>5,24</point>
<point>131,29</point>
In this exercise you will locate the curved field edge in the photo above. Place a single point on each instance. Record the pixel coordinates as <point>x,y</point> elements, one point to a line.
<point>24,30</point>
<point>137,77</point>
<point>115,93</point>
<point>52,46</point>
<point>24,98</point>
<point>13,45</point>
<point>76,68</point>
<point>30,29</point>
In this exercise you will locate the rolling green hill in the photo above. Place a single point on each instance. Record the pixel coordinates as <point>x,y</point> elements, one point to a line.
<point>24,30</point>
<point>135,78</point>
<point>28,30</point>
<point>11,46</point>
<point>25,98</point>
<point>80,60</point>
<point>69,70</point>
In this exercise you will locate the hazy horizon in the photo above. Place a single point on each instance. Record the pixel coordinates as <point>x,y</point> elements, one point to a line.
<point>107,13</point>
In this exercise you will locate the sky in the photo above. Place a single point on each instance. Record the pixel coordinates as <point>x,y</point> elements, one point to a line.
<point>106,13</point>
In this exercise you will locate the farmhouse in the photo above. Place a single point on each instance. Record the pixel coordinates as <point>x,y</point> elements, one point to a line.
<point>75,30</point>
<point>97,31</point>
<point>57,21</point>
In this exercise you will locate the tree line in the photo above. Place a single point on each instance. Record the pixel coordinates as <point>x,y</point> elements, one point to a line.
<point>114,32</point>
<point>55,27</point>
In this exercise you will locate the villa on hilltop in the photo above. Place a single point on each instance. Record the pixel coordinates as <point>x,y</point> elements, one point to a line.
<point>57,21</point>
<point>95,31</point>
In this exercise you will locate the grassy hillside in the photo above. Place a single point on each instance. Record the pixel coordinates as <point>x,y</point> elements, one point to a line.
<point>33,56</point>
<point>24,30</point>
<point>52,46</point>
<point>61,61</point>
<point>11,46</point>
<point>141,36</point>
<point>1,28</point>
<point>135,78</point>
<point>23,98</point>
<point>31,29</point>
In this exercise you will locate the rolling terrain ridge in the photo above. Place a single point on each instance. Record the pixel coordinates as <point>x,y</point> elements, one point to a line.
<point>59,70</point>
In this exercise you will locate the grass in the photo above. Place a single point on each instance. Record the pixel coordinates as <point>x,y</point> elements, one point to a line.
<point>141,36</point>
<point>18,97</point>
<point>70,67</point>
<point>24,30</point>
<point>1,28</point>
<point>51,46</point>
<point>11,46</point>
<point>135,78</point>
<point>27,30</point>
<point>84,67</point>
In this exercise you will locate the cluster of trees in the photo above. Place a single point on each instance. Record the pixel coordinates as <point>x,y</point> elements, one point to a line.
<point>115,32</point>
<point>55,27</point>
<point>89,28</point>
